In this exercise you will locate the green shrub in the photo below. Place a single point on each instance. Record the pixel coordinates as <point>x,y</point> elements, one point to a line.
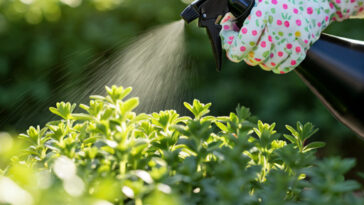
<point>109,154</point>
<point>49,48</point>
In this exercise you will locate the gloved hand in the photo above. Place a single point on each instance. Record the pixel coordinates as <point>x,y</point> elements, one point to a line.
<point>278,33</point>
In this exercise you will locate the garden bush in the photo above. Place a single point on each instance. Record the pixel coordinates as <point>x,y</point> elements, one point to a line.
<point>108,154</point>
<point>49,49</point>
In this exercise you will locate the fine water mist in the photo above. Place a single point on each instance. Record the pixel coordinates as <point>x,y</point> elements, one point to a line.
<point>154,64</point>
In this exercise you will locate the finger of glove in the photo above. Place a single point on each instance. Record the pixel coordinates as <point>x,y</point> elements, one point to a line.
<point>262,51</point>
<point>277,56</point>
<point>228,17</point>
<point>228,31</point>
<point>252,30</point>
<point>227,37</point>
<point>295,58</point>
<point>248,36</point>
<point>235,50</point>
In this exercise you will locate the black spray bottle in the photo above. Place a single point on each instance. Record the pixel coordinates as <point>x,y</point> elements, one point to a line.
<point>334,71</point>
<point>333,68</point>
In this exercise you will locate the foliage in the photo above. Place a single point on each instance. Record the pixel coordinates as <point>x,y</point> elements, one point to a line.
<point>48,48</point>
<point>109,154</point>
<point>50,44</point>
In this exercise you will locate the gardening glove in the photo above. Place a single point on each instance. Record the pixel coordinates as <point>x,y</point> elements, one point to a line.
<point>278,33</point>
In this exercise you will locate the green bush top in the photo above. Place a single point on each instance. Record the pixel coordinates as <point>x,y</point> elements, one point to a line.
<point>110,154</point>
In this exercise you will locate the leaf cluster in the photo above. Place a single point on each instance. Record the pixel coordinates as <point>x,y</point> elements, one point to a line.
<point>111,154</point>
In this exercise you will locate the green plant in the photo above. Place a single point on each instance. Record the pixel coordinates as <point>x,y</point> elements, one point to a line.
<point>47,49</point>
<point>110,154</point>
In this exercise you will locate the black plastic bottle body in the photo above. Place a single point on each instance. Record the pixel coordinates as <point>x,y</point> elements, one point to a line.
<point>334,71</point>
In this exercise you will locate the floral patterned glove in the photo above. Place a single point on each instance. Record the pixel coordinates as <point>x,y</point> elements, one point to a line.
<point>278,33</point>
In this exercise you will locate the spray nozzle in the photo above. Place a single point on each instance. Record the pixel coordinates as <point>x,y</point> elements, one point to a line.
<point>190,13</point>
<point>209,13</point>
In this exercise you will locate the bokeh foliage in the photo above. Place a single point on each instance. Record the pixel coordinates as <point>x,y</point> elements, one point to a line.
<point>45,44</point>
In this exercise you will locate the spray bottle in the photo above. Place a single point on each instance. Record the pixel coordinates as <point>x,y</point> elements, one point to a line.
<point>333,68</point>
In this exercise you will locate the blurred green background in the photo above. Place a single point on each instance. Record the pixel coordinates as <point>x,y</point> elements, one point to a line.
<point>46,45</point>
